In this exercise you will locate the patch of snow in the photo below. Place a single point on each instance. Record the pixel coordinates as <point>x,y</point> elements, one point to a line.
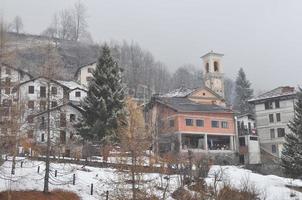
<point>179,92</point>
<point>103,179</point>
<point>270,187</point>
<point>72,84</point>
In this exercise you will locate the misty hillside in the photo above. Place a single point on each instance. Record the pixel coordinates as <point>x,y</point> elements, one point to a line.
<point>29,53</point>
<point>140,67</point>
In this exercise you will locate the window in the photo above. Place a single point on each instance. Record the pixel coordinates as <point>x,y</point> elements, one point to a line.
<point>7,91</point>
<point>192,141</point>
<point>31,89</point>
<point>216,69</point>
<point>42,91</point>
<point>189,122</point>
<point>90,70</point>
<point>253,138</point>
<point>274,149</point>
<point>54,104</point>
<point>224,124</point>
<point>42,137</point>
<point>42,125</point>
<point>281,132</point>
<point>272,133</point>
<point>54,90</point>
<point>171,123</point>
<point>207,68</point>
<point>278,117</point>
<point>62,120</point>
<point>8,71</point>
<point>78,94</point>
<point>215,124</point>
<point>42,105</point>
<point>72,117</point>
<point>268,105</point>
<point>31,104</point>
<point>277,104</point>
<point>271,118</point>
<point>62,137</point>
<point>199,123</point>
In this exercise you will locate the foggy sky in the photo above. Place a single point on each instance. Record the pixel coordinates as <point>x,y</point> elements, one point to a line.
<point>262,36</point>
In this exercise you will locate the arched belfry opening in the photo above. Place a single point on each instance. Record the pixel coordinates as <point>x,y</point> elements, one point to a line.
<point>213,76</point>
<point>216,66</point>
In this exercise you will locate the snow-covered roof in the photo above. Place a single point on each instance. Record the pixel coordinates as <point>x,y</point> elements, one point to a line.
<point>179,92</point>
<point>72,85</point>
<point>277,92</point>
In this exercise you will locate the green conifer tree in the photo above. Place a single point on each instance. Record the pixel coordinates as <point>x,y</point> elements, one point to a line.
<point>243,93</point>
<point>292,150</point>
<point>105,100</point>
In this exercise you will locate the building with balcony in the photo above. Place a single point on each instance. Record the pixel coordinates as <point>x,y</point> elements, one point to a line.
<point>195,120</point>
<point>249,146</point>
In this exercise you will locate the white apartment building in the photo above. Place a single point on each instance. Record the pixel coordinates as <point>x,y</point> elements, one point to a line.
<point>273,111</point>
<point>64,98</point>
<point>9,78</point>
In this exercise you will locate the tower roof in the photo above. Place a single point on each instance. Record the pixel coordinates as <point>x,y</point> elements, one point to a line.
<point>212,53</point>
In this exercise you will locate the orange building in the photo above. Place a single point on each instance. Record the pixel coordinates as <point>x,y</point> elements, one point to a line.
<point>196,120</point>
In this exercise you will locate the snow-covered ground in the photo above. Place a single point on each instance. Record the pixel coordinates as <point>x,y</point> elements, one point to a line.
<point>270,187</point>
<point>27,178</point>
<point>103,179</point>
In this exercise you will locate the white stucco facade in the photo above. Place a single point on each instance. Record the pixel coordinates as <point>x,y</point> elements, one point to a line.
<point>84,74</point>
<point>273,113</point>
<point>248,140</point>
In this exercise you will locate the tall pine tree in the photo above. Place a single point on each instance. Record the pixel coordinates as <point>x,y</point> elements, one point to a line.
<point>105,100</point>
<point>292,150</point>
<point>243,93</point>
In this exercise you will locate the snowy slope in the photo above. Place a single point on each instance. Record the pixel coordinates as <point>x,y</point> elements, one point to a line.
<point>27,178</point>
<point>271,187</point>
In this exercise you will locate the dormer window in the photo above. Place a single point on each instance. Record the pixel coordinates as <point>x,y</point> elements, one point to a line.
<point>216,66</point>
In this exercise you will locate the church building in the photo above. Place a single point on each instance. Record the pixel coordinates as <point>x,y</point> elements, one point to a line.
<point>195,120</point>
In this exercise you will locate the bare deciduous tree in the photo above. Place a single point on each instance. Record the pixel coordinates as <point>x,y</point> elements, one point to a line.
<point>17,24</point>
<point>80,20</point>
<point>69,24</point>
<point>134,141</point>
<point>50,69</point>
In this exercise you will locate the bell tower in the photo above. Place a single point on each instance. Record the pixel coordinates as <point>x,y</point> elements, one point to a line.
<point>213,72</point>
